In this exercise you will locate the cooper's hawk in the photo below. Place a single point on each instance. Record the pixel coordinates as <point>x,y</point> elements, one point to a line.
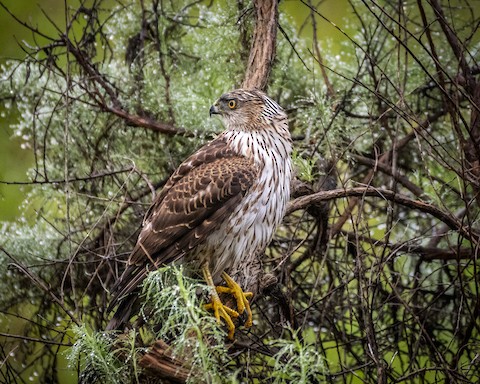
<point>221,206</point>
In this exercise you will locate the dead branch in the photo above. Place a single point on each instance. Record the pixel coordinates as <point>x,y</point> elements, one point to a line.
<point>159,362</point>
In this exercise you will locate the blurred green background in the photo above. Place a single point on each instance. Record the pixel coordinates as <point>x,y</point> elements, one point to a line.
<point>15,160</point>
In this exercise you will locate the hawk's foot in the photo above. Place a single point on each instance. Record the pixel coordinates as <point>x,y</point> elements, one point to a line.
<point>222,311</point>
<point>219,309</point>
<point>242,297</point>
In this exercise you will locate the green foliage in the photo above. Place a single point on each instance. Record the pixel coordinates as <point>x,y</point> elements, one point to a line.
<point>196,43</point>
<point>304,167</point>
<point>34,243</point>
<point>99,353</point>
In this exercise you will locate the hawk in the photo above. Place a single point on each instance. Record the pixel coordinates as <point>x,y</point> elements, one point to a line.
<point>220,208</point>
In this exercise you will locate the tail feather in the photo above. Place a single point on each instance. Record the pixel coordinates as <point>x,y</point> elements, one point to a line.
<point>125,310</point>
<point>125,295</point>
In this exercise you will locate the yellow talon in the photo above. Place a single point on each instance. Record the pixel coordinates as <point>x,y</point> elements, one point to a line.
<point>242,297</point>
<point>222,311</point>
<point>219,309</point>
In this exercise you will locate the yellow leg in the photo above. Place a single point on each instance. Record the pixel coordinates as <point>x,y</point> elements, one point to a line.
<point>219,310</point>
<point>242,297</point>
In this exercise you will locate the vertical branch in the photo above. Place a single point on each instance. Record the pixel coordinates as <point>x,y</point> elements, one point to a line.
<point>157,8</point>
<point>262,52</point>
<point>366,312</point>
<point>66,149</point>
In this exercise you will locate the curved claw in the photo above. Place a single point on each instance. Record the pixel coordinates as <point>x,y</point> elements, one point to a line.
<point>219,309</point>
<point>241,297</point>
<point>222,311</point>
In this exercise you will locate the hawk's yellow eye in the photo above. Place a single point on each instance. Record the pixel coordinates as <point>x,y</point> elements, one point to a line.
<point>232,104</point>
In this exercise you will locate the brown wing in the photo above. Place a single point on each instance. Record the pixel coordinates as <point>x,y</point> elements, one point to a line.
<point>182,216</point>
<point>198,196</point>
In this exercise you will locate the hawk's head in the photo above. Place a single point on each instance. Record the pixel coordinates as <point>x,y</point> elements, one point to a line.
<point>247,109</point>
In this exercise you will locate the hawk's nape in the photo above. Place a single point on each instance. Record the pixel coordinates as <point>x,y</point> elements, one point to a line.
<point>220,208</point>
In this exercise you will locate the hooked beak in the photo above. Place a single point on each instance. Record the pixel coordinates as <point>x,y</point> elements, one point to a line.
<point>214,110</point>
